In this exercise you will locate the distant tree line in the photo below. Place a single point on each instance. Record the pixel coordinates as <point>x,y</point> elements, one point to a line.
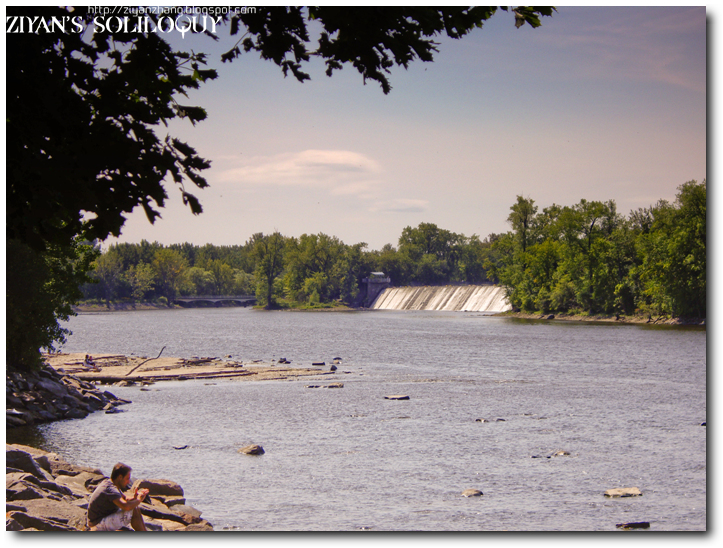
<point>312,269</point>
<point>585,257</point>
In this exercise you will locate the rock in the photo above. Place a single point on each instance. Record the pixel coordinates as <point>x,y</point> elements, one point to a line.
<point>201,526</point>
<point>336,385</point>
<point>472,493</point>
<point>561,454</point>
<point>702,423</point>
<point>159,487</point>
<point>22,489</point>
<point>313,386</point>
<point>170,501</point>
<point>634,525</point>
<point>20,521</point>
<point>188,510</point>
<point>332,368</point>
<point>318,363</point>
<point>22,460</point>
<point>252,450</point>
<point>55,388</point>
<point>180,447</point>
<point>500,420</point>
<point>397,397</point>
<point>57,512</point>
<point>162,512</point>
<point>481,420</point>
<point>623,492</point>
<point>82,484</point>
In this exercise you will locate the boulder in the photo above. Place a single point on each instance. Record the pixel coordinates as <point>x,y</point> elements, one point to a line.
<point>56,388</point>
<point>623,492</point>
<point>472,493</point>
<point>55,512</point>
<point>203,525</point>
<point>21,460</point>
<point>157,511</point>
<point>188,510</point>
<point>159,487</point>
<point>252,450</point>
<point>20,521</point>
<point>81,484</point>
<point>22,489</point>
<point>170,501</point>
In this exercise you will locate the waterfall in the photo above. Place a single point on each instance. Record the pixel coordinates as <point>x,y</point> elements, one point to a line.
<point>465,298</point>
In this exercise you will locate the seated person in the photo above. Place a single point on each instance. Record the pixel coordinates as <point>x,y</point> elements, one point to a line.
<point>109,509</point>
<point>88,362</point>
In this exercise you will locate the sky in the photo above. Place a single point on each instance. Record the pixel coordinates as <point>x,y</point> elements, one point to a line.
<point>600,103</point>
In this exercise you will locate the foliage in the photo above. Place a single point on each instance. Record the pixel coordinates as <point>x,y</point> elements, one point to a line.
<point>588,257</point>
<point>269,253</point>
<point>40,289</point>
<point>82,148</point>
<point>371,39</point>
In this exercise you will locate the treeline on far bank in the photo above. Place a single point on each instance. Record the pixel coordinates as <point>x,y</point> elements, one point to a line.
<point>581,258</point>
<point>312,270</point>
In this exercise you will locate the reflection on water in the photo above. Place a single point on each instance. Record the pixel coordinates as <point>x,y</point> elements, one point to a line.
<point>626,402</point>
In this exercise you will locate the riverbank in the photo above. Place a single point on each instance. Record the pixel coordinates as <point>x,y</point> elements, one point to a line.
<point>614,318</point>
<point>46,493</point>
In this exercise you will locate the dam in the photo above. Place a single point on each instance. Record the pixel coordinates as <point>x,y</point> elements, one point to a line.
<point>462,298</point>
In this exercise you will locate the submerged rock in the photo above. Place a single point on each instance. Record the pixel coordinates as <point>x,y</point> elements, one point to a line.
<point>397,397</point>
<point>472,493</point>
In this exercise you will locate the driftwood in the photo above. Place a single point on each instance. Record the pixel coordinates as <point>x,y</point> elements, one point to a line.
<point>137,366</point>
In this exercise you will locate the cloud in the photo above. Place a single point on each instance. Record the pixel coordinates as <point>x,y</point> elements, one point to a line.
<point>341,172</point>
<point>401,205</point>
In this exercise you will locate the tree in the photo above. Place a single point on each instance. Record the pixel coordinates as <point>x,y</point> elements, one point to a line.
<point>140,277</point>
<point>223,277</point>
<point>168,266</point>
<point>522,218</point>
<point>371,39</point>
<point>108,270</point>
<point>269,253</point>
<point>39,290</point>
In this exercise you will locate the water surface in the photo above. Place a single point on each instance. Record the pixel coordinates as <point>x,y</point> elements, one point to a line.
<point>626,401</point>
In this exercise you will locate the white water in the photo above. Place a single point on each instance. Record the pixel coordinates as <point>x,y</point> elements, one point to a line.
<point>465,298</point>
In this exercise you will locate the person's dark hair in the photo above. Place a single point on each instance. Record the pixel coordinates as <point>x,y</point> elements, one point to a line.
<point>119,470</point>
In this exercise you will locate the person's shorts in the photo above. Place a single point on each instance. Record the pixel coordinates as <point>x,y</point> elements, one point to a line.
<point>115,521</point>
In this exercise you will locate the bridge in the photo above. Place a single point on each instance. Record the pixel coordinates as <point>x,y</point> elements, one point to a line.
<point>243,300</point>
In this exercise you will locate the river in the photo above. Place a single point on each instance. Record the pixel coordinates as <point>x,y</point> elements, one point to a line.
<point>626,401</point>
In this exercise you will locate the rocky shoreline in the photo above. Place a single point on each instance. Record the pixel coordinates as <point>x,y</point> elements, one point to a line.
<point>45,493</point>
<point>46,395</point>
